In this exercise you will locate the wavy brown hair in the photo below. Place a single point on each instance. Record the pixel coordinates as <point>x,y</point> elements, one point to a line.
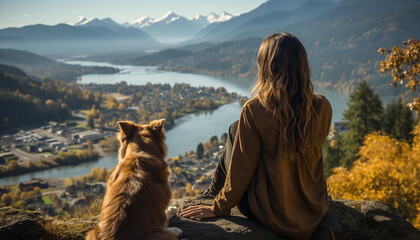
<point>284,87</point>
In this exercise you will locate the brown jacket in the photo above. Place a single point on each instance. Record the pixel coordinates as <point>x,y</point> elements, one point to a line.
<point>289,196</point>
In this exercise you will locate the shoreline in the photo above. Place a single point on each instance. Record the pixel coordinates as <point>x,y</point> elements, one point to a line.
<point>51,164</point>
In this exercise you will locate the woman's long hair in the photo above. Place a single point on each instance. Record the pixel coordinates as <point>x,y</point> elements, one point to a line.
<point>284,87</point>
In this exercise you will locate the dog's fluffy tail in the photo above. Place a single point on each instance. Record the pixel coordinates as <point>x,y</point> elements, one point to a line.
<point>93,234</point>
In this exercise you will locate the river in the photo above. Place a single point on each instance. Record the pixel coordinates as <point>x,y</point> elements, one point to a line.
<point>187,132</point>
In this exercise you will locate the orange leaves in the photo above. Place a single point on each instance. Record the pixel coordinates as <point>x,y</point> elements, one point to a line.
<point>387,171</point>
<point>404,65</point>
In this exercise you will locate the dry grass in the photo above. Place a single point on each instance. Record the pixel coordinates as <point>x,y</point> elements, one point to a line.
<point>74,224</point>
<point>71,229</point>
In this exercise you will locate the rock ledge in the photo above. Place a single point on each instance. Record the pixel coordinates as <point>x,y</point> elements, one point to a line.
<point>346,219</point>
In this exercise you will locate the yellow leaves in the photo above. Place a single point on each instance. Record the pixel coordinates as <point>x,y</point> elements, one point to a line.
<point>387,171</point>
<point>404,65</point>
<point>177,170</point>
<point>49,103</point>
<point>111,103</point>
<point>121,106</point>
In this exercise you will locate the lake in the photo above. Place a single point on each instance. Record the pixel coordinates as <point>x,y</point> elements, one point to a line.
<point>188,131</point>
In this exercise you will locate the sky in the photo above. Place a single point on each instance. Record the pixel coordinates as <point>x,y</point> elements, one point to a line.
<point>18,13</point>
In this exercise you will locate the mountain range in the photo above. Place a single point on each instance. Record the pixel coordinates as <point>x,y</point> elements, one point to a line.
<point>341,38</point>
<point>63,39</point>
<point>93,36</point>
<point>170,28</point>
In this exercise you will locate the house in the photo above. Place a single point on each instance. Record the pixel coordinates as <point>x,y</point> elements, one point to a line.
<point>31,147</point>
<point>87,135</point>
<point>31,184</point>
<point>4,157</point>
<point>44,149</point>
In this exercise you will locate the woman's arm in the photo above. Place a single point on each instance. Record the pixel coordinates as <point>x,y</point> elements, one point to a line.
<point>245,156</point>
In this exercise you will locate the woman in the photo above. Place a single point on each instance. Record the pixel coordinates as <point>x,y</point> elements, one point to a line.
<point>275,167</point>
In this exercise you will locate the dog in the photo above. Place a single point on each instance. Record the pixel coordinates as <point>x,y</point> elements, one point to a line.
<point>138,193</point>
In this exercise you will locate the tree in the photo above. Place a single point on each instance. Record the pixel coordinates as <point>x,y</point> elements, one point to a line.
<point>177,170</point>
<point>19,204</point>
<point>49,103</point>
<point>56,200</point>
<point>404,65</point>
<point>102,121</point>
<point>121,106</point>
<point>332,151</point>
<point>387,171</point>
<point>169,118</point>
<point>102,174</point>
<point>202,178</point>
<point>90,121</point>
<point>112,103</point>
<point>364,115</point>
<point>200,151</point>
<point>398,121</point>
<point>37,191</point>
<point>6,199</point>
<point>214,140</point>
<point>223,138</point>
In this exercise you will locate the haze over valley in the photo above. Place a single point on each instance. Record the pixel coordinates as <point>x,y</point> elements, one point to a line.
<point>65,85</point>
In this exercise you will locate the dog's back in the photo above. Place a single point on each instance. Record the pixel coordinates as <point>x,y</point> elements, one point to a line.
<point>138,190</point>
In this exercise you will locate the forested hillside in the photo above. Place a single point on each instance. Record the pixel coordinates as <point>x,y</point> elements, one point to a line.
<point>24,100</point>
<point>40,66</point>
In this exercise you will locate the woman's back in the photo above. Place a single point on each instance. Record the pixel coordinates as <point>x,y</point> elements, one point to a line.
<point>275,163</point>
<point>290,193</point>
<point>287,193</point>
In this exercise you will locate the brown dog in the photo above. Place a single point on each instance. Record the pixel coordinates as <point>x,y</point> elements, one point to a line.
<point>138,191</point>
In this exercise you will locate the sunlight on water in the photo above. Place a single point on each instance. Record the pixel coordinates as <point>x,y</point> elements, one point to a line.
<point>188,130</point>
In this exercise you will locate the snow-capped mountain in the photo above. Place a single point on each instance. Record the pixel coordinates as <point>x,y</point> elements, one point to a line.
<point>171,27</point>
<point>223,17</point>
<point>95,22</point>
<point>139,23</point>
<point>170,17</point>
<point>82,21</point>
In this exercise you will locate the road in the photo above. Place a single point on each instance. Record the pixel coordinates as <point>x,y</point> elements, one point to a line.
<point>24,156</point>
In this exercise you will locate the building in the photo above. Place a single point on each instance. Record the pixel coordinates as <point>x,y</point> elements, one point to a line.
<point>87,135</point>
<point>44,149</point>
<point>31,184</point>
<point>31,147</point>
<point>5,156</point>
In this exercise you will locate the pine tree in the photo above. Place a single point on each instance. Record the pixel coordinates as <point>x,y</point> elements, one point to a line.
<point>332,151</point>
<point>90,121</point>
<point>200,151</point>
<point>398,121</point>
<point>364,115</point>
<point>102,121</point>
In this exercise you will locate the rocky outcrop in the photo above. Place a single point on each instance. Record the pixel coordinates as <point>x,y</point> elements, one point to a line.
<point>346,219</point>
<point>20,224</point>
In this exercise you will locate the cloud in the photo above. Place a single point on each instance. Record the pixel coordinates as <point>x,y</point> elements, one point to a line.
<point>26,15</point>
<point>115,13</point>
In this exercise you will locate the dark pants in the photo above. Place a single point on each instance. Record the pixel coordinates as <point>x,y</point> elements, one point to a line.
<point>221,172</point>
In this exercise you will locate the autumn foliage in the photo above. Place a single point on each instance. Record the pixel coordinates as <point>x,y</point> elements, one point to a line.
<point>404,65</point>
<point>388,171</point>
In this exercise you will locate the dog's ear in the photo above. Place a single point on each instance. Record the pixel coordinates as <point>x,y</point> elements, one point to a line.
<point>126,127</point>
<point>157,124</point>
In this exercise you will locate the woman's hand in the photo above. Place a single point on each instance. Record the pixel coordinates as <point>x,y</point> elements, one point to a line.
<point>197,212</point>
